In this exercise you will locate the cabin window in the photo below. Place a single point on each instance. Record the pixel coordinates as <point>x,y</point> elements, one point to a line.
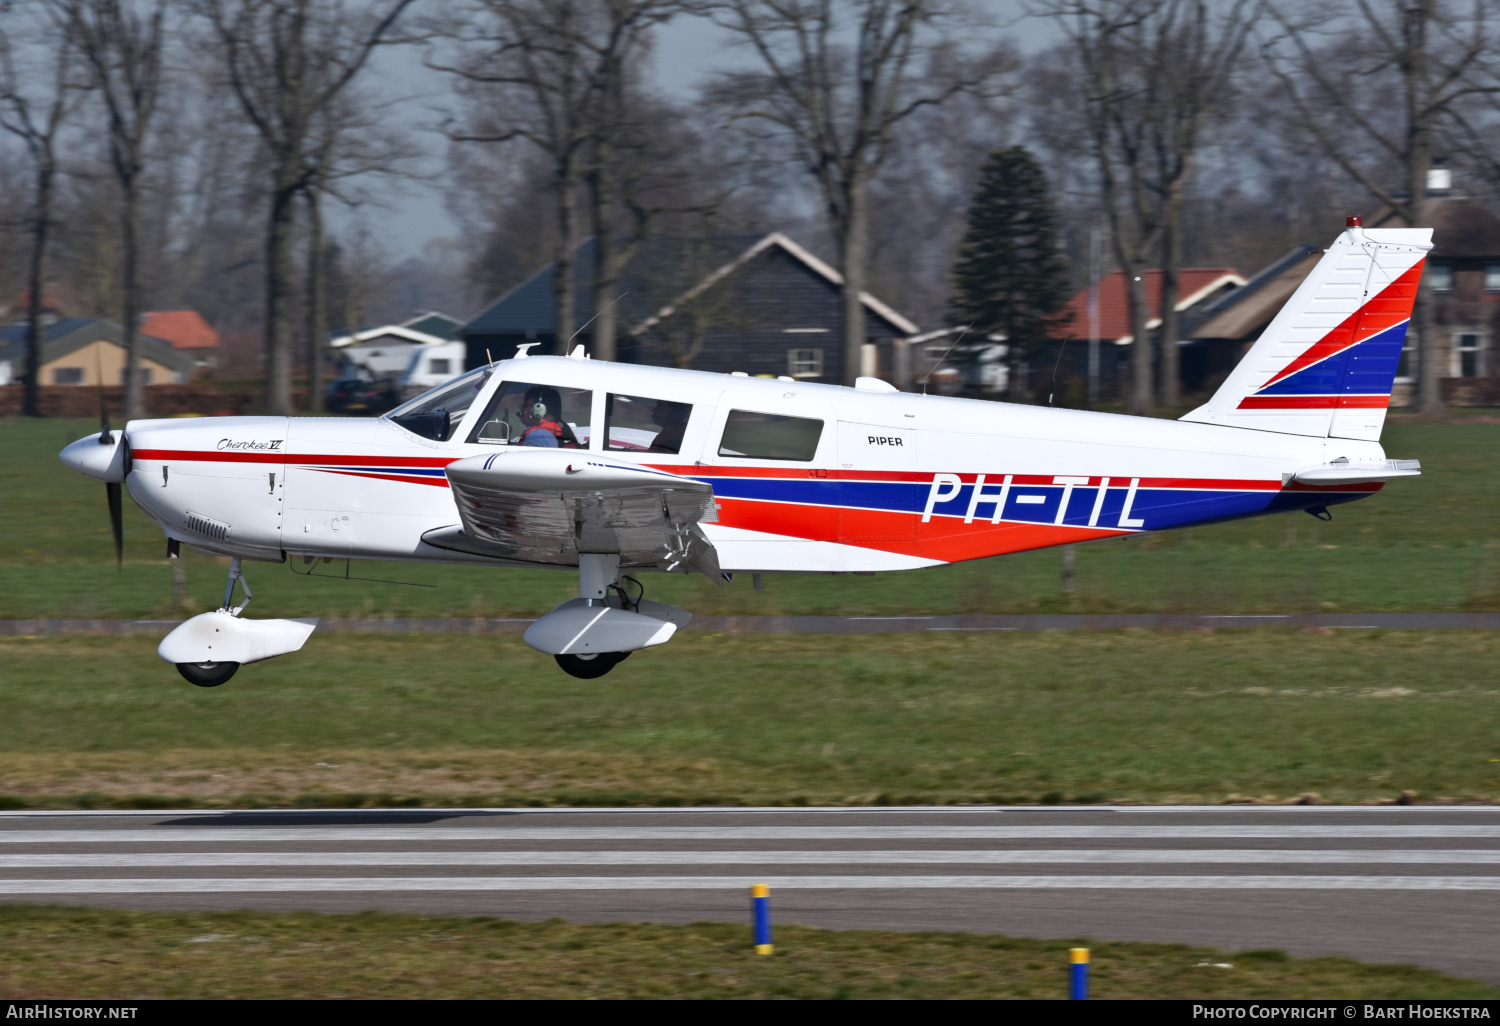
<point>804,363</point>
<point>1492,278</point>
<point>636,423</point>
<point>769,436</point>
<point>439,366</point>
<point>437,413</point>
<point>67,375</point>
<point>544,416</point>
<point>1440,277</point>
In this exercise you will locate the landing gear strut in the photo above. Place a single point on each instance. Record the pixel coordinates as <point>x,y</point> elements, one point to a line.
<point>212,674</point>
<point>594,633</point>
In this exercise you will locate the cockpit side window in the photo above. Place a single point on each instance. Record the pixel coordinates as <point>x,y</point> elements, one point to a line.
<point>438,412</point>
<point>544,416</point>
<point>636,423</point>
<point>770,436</point>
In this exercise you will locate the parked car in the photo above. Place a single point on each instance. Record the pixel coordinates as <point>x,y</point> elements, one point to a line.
<point>356,395</point>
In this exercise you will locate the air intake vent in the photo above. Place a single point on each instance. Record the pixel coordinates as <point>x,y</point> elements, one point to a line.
<point>204,526</point>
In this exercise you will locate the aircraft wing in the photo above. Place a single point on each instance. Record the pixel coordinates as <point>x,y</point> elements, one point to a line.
<point>548,505</point>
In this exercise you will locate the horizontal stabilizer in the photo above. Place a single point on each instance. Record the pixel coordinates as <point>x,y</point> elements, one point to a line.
<point>1345,472</point>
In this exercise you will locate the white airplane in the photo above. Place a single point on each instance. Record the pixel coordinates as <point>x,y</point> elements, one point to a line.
<point>616,471</point>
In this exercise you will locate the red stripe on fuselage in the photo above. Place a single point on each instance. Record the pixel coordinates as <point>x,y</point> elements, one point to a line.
<point>439,482</point>
<point>946,539</point>
<point>214,456</point>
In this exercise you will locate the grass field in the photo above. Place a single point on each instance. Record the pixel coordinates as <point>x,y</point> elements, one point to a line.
<point>1428,544</point>
<point>1131,716</point>
<point>49,952</point>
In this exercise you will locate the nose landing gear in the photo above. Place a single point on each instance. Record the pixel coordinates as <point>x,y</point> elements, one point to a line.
<point>209,649</point>
<point>210,674</point>
<point>207,675</point>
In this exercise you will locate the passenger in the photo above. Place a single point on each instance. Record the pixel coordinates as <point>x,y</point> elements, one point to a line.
<point>541,412</point>
<point>673,419</point>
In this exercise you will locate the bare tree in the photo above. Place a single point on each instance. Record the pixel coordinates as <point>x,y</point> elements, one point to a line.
<point>288,62</point>
<point>1152,73</point>
<point>838,106</point>
<point>35,116</point>
<point>1433,57</point>
<point>350,141</point>
<point>122,42</point>
<point>562,75</point>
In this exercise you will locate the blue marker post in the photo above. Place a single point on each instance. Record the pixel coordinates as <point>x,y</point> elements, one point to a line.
<point>760,901</point>
<point>1079,990</point>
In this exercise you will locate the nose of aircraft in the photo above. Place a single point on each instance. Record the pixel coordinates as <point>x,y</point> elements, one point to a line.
<point>104,461</point>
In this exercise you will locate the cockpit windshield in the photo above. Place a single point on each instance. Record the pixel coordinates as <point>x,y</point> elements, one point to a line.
<point>437,412</point>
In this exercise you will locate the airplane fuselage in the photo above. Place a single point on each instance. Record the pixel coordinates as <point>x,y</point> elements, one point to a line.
<point>886,481</point>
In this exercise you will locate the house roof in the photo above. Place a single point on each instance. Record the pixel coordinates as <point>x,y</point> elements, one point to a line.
<point>395,332</point>
<point>664,273</point>
<point>776,239</point>
<point>181,329</point>
<point>1195,284</point>
<point>1244,312</point>
<point>437,324</point>
<point>64,337</point>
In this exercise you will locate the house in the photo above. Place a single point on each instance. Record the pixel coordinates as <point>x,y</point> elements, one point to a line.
<point>439,325</point>
<point>1215,334</point>
<point>185,330</point>
<point>1110,318</point>
<point>76,351</point>
<point>1462,277</point>
<point>383,354</point>
<point>754,303</point>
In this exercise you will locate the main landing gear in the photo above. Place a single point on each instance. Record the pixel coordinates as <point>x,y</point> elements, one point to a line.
<point>589,667</point>
<point>592,634</point>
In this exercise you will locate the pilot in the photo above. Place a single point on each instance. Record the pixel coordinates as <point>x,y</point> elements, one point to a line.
<point>673,419</point>
<point>541,412</point>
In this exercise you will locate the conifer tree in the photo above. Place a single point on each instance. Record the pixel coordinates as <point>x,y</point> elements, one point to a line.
<point>1009,276</point>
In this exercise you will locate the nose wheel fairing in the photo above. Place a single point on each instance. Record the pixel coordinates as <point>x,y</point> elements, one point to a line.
<point>209,648</point>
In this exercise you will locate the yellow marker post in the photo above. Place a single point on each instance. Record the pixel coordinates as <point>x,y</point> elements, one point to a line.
<point>760,903</point>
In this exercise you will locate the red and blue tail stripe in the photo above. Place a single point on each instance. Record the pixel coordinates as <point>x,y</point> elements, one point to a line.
<point>1354,365</point>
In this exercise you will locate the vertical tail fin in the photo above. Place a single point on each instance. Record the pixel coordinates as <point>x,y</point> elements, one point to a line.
<point>1327,362</point>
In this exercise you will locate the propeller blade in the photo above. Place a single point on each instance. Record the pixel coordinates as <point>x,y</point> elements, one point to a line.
<point>116,521</point>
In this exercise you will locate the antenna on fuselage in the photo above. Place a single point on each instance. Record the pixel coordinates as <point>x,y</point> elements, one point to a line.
<point>939,363</point>
<point>591,320</point>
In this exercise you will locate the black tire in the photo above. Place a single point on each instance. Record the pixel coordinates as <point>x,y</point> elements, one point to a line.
<point>207,675</point>
<point>591,666</point>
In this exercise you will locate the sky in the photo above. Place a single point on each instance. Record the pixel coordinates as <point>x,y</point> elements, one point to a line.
<point>687,51</point>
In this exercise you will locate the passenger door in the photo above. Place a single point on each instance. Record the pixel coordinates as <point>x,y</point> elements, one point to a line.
<point>782,480</point>
<point>879,498</point>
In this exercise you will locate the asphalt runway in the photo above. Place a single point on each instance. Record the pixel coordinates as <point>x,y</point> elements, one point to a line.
<point>1418,884</point>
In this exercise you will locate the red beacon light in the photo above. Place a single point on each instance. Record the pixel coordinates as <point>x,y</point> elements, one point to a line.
<point>1354,221</point>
